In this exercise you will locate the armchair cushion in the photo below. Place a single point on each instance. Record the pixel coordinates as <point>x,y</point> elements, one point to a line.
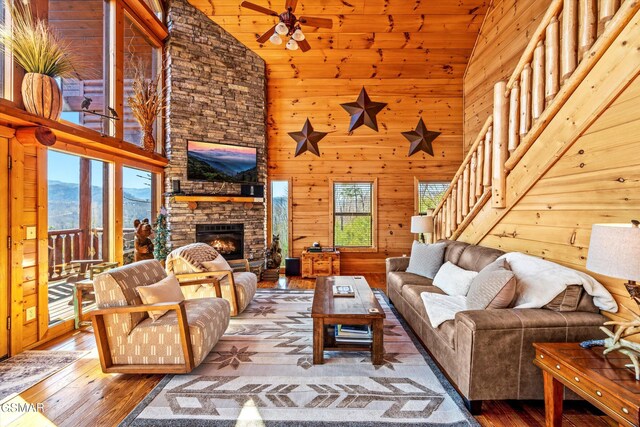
<point>166,290</point>
<point>189,258</point>
<point>159,342</point>
<point>246,286</point>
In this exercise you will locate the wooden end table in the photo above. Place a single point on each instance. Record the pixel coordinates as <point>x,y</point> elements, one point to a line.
<point>603,381</point>
<point>328,311</point>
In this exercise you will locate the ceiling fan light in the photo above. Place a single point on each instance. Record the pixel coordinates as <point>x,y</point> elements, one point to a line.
<point>275,39</point>
<point>292,44</point>
<point>282,29</point>
<point>298,35</point>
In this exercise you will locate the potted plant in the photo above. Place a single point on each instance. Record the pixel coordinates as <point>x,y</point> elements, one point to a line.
<point>42,54</point>
<point>146,103</point>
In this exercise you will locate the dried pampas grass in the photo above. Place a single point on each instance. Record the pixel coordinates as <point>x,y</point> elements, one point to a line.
<point>146,103</point>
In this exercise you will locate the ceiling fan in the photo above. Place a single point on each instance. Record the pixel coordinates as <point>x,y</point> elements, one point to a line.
<point>289,25</point>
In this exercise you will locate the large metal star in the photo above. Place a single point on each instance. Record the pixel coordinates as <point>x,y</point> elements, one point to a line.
<point>421,139</point>
<point>307,139</point>
<point>363,111</point>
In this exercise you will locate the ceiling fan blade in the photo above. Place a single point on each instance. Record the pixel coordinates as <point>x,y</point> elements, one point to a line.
<point>304,45</point>
<point>258,8</point>
<point>291,4</point>
<point>316,22</point>
<point>263,38</point>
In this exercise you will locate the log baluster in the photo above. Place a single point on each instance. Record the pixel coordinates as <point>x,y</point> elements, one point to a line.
<point>500,145</point>
<point>488,149</point>
<point>551,61</point>
<point>525,100</point>
<point>450,215</point>
<point>454,208</point>
<point>608,8</point>
<point>447,215</point>
<point>588,26</point>
<point>459,201</point>
<point>465,191</point>
<point>537,82</point>
<point>480,169</point>
<point>569,51</point>
<point>514,116</point>
<point>472,179</point>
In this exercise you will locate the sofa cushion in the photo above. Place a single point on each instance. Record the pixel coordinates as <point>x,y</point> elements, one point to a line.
<point>586,304</point>
<point>476,258</point>
<point>454,250</point>
<point>159,342</point>
<point>454,280</point>
<point>166,290</point>
<point>566,300</point>
<point>397,279</point>
<point>493,288</point>
<point>411,293</point>
<point>426,259</point>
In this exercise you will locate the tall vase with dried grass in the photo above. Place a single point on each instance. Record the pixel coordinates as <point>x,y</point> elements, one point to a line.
<point>37,48</point>
<point>146,103</point>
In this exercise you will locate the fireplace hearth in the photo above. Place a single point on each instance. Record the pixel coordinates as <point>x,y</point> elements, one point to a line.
<point>227,239</point>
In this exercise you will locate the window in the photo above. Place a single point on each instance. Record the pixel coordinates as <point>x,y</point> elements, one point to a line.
<point>3,57</point>
<point>155,6</point>
<point>429,195</point>
<point>354,214</point>
<point>140,56</point>
<point>82,25</point>
<point>137,200</point>
<point>280,215</point>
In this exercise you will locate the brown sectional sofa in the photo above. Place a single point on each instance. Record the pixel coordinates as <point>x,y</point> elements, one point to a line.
<point>487,354</point>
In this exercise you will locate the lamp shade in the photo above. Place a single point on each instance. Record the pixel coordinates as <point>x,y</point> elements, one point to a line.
<point>422,224</point>
<point>614,251</point>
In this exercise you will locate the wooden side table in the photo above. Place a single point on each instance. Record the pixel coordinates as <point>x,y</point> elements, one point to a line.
<point>603,381</point>
<point>78,287</point>
<point>320,264</point>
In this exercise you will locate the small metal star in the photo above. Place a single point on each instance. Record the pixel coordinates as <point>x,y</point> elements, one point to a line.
<point>363,111</point>
<point>421,139</point>
<point>307,139</point>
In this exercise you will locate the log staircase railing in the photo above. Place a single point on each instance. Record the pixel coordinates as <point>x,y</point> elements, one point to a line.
<point>570,39</point>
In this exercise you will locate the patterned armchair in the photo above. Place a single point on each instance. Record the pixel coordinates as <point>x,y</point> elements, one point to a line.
<point>130,342</point>
<point>237,287</point>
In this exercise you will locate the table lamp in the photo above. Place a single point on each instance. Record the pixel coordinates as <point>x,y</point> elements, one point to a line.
<point>614,250</point>
<point>422,224</point>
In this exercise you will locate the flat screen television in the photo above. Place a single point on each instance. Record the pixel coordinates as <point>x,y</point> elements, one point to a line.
<point>208,161</point>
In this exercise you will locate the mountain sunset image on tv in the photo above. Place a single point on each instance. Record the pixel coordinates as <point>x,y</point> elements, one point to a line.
<point>214,162</point>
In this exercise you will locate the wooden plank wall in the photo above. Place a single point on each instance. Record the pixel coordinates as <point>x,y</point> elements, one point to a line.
<point>596,181</point>
<point>4,233</point>
<point>504,35</point>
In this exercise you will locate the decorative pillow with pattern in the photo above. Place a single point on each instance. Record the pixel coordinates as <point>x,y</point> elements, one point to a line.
<point>218,264</point>
<point>454,280</point>
<point>493,288</point>
<point>166,290</point>
<point>426,259</point>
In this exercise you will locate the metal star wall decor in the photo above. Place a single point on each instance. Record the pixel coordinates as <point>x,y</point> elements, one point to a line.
<point>421,139</point>
<point>363,111</point>
<point>307,139</point>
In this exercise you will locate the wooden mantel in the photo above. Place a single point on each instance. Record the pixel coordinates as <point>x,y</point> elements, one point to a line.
<point>194,199</point>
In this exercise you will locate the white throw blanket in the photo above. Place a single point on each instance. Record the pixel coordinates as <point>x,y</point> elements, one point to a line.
<point>538,283</point>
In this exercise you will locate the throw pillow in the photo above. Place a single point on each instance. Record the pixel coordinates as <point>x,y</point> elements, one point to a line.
<point>493,288</point>
<point>426,259</point>
<point>218,264</point>
<point>166,290</point>
<point>566,300</point>
<point>454,280</point>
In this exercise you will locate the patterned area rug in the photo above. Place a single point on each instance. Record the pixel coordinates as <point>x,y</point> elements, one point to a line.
<point>261,373</point>
<point>30,367</point>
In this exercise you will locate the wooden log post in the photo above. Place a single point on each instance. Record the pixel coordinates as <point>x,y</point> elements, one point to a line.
<point>480,169</point>
<point>465,191</point>
<point>488,150</point>
<point>551,61</point>
<point>30,135</point>
<point>569,48</point>
<point>525,100</point>
<point>450,215</point>
<point>500,146</point>
<point>608,8</point>
<point>447,215</point>
<point>588,26</point>
<point>459,201</point>
<point>454,208</point>
<point>537,82</point>
<point>514,117</point>
<point>472,179</point>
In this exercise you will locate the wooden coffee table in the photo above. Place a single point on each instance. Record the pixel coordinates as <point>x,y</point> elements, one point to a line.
<point>328,311</point>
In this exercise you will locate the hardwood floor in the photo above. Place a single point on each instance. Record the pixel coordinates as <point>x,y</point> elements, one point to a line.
<point>81,395</point>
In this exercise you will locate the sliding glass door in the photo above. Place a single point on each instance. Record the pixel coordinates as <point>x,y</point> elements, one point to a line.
<point>280,215</point>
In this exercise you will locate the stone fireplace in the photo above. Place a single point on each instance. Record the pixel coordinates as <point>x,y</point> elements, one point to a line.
<point>215,93</point>
<point>227,239</point>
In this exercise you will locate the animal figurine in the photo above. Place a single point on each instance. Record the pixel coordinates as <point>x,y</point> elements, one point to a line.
<point>274,254</point>
<point>142,244</point>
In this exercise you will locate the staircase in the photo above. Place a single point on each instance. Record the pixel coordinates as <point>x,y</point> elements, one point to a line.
<point>581,57</point>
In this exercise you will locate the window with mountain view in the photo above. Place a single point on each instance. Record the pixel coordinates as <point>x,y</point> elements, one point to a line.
<point>137,204</point>
<point>353,214</point>
<point>280,215</point>
<point>429,195</point>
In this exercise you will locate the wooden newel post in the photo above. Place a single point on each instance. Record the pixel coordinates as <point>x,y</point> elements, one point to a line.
<point>500,145</point>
